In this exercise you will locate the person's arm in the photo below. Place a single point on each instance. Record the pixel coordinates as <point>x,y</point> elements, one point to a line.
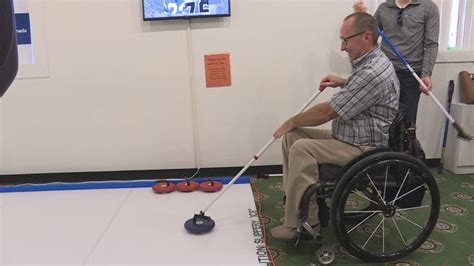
<point>359,6</point>
<point>315,116</point>
<point>332,81</point>
<point>430,44</point>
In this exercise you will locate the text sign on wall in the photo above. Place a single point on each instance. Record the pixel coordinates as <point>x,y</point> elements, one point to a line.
<point>23,32</point>
<point>217,68</point>
<point>24,39</point>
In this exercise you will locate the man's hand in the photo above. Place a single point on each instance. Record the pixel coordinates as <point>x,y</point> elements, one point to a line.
<point>359,7</point>
<point>428,83</point>
<point>288,126</point>
<point>332,81</point>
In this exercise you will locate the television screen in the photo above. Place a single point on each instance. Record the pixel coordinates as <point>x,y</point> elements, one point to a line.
<point>172,9</point>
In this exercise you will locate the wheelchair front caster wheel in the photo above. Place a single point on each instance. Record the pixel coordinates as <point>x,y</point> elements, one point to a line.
<point>325,256</point>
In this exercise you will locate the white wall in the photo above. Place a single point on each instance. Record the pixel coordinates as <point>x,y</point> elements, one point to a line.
<point>277,61</point>
<point>118,94</point>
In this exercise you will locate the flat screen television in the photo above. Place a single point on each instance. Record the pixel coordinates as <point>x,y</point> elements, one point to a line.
<point>185,9</point>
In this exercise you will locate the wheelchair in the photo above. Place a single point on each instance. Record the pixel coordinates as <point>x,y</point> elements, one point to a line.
<point>384,204</point>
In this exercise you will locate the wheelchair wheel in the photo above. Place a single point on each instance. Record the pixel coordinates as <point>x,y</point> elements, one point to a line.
<point>357,217</point>
<point>325,255</point>
<point>393,202</point>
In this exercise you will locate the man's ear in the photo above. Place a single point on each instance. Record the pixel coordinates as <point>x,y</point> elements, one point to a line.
<point>368,36</point>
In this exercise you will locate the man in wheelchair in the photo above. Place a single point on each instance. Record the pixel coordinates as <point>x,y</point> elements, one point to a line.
<point>361,114</point>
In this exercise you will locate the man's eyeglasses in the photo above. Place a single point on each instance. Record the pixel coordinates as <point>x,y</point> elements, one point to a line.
<point>400,17</point>
<point>345,39</point>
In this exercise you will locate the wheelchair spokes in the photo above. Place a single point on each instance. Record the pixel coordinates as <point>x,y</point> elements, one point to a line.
<point>399,232</point>
<point>403,182</point>
<point>363,196</point>
<point>414,208</point>
<point>360,223</point>
<point>409,192</point>
<point>410,221</point>
<point>388,187</point>
<point>376,189</point>
<point>371,235</point>
<point>385,184</point>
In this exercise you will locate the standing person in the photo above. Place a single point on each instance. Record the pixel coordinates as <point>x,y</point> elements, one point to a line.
<point>361,114</point>
<point>413,27</point>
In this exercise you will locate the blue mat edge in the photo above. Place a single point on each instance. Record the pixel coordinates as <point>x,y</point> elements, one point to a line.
<point>107,185</point>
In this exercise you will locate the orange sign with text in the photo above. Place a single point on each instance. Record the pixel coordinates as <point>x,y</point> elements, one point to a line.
<point>217,70</point>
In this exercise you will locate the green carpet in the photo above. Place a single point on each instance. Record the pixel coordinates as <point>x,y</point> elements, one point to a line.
<point>452,242</point>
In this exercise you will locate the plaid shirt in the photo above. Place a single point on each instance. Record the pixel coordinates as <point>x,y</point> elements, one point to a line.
<point>368,103</point>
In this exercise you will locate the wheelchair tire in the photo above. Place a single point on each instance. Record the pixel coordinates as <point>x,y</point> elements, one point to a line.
<point>399,200</point>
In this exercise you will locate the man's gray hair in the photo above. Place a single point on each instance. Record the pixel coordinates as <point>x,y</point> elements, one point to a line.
<point>365,22</point>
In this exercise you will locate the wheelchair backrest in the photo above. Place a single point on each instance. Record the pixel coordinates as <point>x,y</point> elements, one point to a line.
<point>402,137</point>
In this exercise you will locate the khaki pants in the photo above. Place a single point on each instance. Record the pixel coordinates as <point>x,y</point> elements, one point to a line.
<point>303,150</point>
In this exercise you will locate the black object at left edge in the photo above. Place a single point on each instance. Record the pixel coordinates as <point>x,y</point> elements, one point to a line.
<point>8,46</point>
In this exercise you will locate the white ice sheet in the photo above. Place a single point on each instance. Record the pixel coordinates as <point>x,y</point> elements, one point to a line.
<point>126,227</point>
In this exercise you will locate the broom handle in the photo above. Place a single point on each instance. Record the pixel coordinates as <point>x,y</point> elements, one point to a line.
<point>395,50</point>
<point>260,152</point>
<point>445,136</point>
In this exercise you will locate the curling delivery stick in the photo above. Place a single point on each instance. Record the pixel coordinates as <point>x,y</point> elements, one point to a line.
<point>462,134</point>
<point>261,151</point>
<point>200,223</point>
